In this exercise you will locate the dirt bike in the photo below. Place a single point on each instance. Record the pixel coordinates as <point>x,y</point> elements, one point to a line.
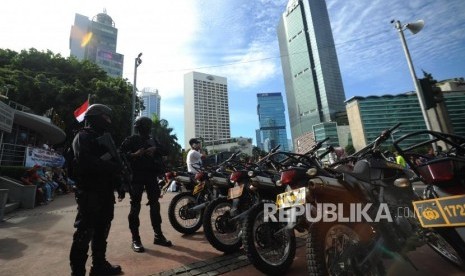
<point>222,220</point>
<point>367,220</point>
<point>442,191</point>
<point>186,209</point>
<point>271,246</point>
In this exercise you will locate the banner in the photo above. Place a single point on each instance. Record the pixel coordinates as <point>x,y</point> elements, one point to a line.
<point>43,157</point>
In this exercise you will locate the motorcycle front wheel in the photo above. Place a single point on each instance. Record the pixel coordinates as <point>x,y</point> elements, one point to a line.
<point>181,217</point>
<point>222,233</point>
<point>335,249</point>
<point>449,245</point>
<point>270,250</point>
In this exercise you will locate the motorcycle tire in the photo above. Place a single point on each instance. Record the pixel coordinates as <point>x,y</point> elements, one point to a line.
<point>258,237</point>
<point>318,253</point>
<point>451,247</point>
<point>178,218</point>
<point>217,229</point>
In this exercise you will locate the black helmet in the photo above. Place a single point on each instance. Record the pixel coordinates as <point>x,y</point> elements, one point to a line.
<point>95,116</point>
<point>97,110</point>
<point>143,125</point>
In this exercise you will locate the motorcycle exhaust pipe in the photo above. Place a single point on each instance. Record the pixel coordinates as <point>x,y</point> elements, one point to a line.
<point>323,185</point>
<point>199,207</point>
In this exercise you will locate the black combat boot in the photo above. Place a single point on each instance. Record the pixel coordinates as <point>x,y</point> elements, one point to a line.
<point>105,268</point>
<point>161,240</point>
<point>137,245</point>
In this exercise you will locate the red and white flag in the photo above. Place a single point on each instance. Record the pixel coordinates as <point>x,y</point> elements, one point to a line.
<point>81,111</point>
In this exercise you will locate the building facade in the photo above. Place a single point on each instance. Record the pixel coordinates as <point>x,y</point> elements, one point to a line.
<point>313,82</point>
<point>206,108</point>
<point>151,100</point>
<point>369,116</point>
<point>96,40</point>
<point>272,122</point>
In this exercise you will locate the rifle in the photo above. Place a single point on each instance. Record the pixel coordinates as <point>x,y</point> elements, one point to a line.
<point>126,173</point>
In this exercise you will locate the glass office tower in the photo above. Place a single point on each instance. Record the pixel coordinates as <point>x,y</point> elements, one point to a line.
<point>96,40</point>
<point>272,121</point>
<point>310,67</point>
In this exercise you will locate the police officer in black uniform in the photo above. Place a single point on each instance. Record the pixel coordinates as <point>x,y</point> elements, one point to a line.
<point>94,170</point>
<point>145,155</point>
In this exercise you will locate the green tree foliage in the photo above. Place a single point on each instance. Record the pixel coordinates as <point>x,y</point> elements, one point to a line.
<point>350,149</point>
<point>163,133</point>
<point>44,80</point>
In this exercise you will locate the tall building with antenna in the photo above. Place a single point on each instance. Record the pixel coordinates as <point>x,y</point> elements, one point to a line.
<point>313,82</point>
<point>96,40</point>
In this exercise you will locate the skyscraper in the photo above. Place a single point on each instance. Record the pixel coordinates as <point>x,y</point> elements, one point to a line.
<point>272,122</point>
<point>96,41</point>
<point>206,108</point>
<point>310,67</point>
<point>151,100</point>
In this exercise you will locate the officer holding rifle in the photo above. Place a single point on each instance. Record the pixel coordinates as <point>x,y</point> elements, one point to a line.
<point>144,153</point>
<point>94,167</point>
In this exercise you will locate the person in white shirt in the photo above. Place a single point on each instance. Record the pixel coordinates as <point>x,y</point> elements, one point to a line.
<point>194,157</point>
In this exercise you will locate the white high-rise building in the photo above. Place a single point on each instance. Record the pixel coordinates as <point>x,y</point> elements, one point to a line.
<point>151,100</point>
<point>206,108</point>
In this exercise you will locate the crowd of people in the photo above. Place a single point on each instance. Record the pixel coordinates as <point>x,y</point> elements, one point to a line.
<point>49,182</point>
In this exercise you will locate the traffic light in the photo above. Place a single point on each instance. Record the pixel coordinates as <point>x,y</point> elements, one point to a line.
<point>429,93</point>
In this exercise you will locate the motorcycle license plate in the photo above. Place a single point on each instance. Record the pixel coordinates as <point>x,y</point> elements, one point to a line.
<point>441,212</point>
<point>198,188</point>
<point>235,192</point>
<point>292,198</point>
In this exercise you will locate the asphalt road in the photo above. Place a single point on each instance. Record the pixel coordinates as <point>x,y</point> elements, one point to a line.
<point>37,242</point>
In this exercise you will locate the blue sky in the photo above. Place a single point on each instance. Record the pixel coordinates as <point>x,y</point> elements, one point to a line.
<point>237,39</point>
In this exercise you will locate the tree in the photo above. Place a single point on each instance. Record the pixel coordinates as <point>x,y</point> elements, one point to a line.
<point>163,133</point>
<point>350,149</point>
<point>44,80</point>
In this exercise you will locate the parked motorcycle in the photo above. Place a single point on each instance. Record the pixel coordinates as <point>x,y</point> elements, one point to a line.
<point>271,245</point>
<point>222,220</point>
<point>369,221</point>
<point>186,209</point>
<point>442,201</point>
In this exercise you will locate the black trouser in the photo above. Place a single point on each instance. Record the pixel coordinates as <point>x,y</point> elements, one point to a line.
<point>93,222</point>
<point>153,194</point>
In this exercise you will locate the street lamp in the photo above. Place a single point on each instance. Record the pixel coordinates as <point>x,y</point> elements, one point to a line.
<point>137,62</point>
<point>414,28</point>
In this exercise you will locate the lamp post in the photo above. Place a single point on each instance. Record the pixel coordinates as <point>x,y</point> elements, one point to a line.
<point>414,28</point>
<point>137,62</point>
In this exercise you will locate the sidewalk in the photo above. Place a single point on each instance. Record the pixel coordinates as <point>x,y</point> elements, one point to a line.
<point>37,242</point>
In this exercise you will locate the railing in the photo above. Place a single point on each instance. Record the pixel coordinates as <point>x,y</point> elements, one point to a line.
<point>12,155</point>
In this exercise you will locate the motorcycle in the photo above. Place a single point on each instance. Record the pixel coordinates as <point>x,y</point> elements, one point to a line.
<point>442,190</point>
<point>271,245</point>
<point>370,216</point>
<point>186,209</point>
<point>222,220</point>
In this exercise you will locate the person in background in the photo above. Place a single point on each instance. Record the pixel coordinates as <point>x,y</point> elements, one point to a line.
<point>94,169</point>
<point>400,160</point>
<point>171,184</point>
<point>194,157</point>
<point>31,177</point>
<point>145,156</point>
